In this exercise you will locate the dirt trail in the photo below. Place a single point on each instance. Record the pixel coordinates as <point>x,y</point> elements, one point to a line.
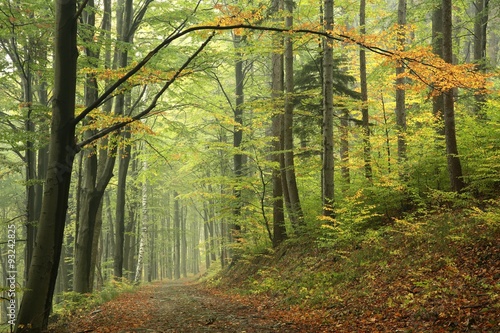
<point>177,307</point>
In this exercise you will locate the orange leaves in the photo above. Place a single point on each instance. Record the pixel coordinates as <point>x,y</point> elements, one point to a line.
<point>429,70</point>
<point>232,15</point>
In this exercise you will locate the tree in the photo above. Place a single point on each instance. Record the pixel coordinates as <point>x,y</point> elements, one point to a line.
<point>453,159</point>
<point>364,95</point>
<point>328,151</point>
<point>279,229</point>
<point>96,178</point>
<point>400,88</point>
<point>437,48</point>
<point>238,131</point>
<point>289,177</point>
<point>144,227</point>
<point>480,38</point>
<point>37,300</point>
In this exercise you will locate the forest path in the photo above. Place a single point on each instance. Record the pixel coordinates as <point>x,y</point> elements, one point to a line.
<point>179,307</point>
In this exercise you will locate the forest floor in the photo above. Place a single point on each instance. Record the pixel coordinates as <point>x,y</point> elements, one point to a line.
<point>436,274</point>
<point>181,306</point>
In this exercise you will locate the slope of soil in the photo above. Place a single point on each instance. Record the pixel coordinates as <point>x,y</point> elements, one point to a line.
<point>440,273</point>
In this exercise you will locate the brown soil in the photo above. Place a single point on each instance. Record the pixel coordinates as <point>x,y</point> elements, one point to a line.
<point>177,307</point>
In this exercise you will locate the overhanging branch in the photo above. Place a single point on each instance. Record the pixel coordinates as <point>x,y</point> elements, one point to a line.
<point>339,37</point>
<point>153,103</point>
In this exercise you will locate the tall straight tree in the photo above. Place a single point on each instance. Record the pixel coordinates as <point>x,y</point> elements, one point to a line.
<point>279,229</point>
<point>328,149</point>
<point>96,177</point>
<point>364,95</point>
<point>296,214</point>
<point>126,27</point>
<point>144,227</point>
<point>437,48</point>
<point>238,131</point>
<point>453,159</point>
<point>37,299</point>
<point>400,89</point>
<point>480,38</point>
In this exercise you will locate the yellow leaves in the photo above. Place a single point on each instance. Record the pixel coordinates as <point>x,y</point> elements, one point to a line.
<point>99,120</point>
<point>234,15</point>
<point>429,70</point>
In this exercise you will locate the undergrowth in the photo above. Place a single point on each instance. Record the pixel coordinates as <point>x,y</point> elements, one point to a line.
<point>71,303</point>
<point>433,265</point>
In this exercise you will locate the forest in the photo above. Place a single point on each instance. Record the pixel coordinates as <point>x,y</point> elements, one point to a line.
<point>309,154</point>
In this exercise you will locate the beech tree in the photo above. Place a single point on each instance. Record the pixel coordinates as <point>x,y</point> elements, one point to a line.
<point>279,229</point>
<point>328,151</point>
<point>289,176</point>
<point>453,159</point>
<point>400,89</point>
<point>37,299</point>
<point>364,96</point>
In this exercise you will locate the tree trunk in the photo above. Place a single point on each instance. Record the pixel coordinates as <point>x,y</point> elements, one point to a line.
<point>328,146</point>
<point>480,38</point>
<point>344,148</point>
<point>144,229</point>
<point>177,237</point>
<point>367,154</point>
<point>120,208</point>
<point>238,135</point>
<point>169,241</point>
<point>277,85</point>
<point>400,91</point>
<point>95,182</point>
<point>437,48</point>
<point>184,246</point>
<point>454,165</point>
<point>296,213</point>
<point>37,298</point>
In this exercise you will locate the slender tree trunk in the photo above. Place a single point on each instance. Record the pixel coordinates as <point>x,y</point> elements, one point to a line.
<point>184,245</point>
<point>344,148</point>
<point>37,299</point>
<point>328,146</point>
<point>206,237</point>
<point>96,179</point>
<point>177,237</point>
<point>400,90</point>
<point>480,38</point>
<point>437,48</point>
<point>238,135</point>
<point>364,97</point>
<point>170,237</point>
<point>296,213</point>
<point>277,86</point>
<point>454,165</point>
<point>144,229</point>
<point>30,169</point>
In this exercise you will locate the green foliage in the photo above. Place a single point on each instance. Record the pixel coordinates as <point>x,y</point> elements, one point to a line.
<point>72,303</point>
<point>481,150</point>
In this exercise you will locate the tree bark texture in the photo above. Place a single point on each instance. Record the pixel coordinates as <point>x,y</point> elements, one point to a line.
<point>37,299</point>
<point>454,165</point>
<point>400,89</point>
<point>296,213</point>
<point>364,96</point>
<point>328,145</point>
<point>277,85</point>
